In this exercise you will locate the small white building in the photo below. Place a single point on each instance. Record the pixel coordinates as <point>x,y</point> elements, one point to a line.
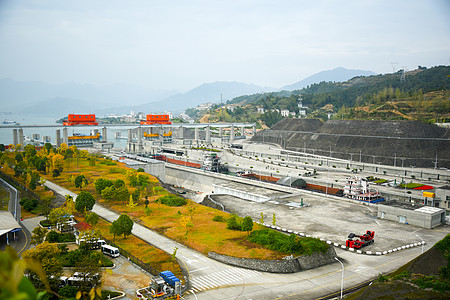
<point>406,213</point>
<point>285,112</point>
<point>260,110</point>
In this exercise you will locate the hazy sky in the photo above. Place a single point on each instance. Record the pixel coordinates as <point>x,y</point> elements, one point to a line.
<point>182,44</point>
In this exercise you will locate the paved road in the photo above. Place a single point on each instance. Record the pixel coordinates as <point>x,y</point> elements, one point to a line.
<point>213,280</point>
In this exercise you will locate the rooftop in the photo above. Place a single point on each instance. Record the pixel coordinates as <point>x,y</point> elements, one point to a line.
<point>417,207</point>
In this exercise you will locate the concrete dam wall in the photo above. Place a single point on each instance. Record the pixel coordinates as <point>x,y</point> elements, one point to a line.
<point>407,143</point>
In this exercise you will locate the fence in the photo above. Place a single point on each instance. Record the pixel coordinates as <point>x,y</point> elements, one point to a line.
<point>18,185</point>
<point>134,259</point>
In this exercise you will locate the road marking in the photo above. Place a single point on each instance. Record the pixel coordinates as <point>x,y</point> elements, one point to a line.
<point>226,277</point>
<point>378,223</point>
<point>199,269</point>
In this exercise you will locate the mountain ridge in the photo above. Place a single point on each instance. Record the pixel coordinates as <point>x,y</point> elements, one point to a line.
<point>339,74</point>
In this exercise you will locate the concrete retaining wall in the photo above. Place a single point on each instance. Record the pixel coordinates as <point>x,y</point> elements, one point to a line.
<point>301,263</point>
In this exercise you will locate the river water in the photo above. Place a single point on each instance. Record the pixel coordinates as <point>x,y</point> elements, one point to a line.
<point>6,134</point>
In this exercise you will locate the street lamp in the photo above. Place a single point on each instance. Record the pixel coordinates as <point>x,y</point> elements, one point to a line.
<point>342,280</point>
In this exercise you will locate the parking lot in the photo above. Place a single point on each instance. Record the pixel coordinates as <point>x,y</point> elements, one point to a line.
<point>332,219</point>
<point>124,276</point>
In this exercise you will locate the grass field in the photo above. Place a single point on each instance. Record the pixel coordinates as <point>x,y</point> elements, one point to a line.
<point>204,236</point>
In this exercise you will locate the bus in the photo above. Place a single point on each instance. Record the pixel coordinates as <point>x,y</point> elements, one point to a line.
<point>110,250</point>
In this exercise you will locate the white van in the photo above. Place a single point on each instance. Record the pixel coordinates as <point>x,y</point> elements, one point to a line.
<point>110,250</point>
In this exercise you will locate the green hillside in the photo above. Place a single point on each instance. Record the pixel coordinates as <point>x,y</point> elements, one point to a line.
<point>420,94</point>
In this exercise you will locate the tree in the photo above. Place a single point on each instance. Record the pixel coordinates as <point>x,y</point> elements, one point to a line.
<point>47,255</point>
<point>28,204</point>
<point>38,236</point>
<point>131,203</point>
<point>143,180</point>
<point>34,179</point>
<point>123,225</point>
<point>48,147</point>
<point>84,201</point>
<point>70,204</point>
<point>56,173</point>
<point>59,215</point>
<point>45,203</point>
<point>101,183</point>
<point>122,194</point>
<point>30,151</point>
<point>109,193</point>
<point>89,269</point>
<point>92,218</point>
<point>115,229</point>
<point>247,224</point>
<point>2,147</point>
<point>233,224</point>
<point>80,181</point>
<point>132,178</point>
<point>174,255</point>
<point>119,183</point>
<point>18,157</point>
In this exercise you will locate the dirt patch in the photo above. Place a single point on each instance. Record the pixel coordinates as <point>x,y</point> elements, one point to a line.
<point>428,263</point>
<point>395,291</point>
<point>160,230</point>
<point>246,243</point>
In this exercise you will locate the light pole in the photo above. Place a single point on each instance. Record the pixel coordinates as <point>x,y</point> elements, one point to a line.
<point>422,241</point>
<point>342,280</point>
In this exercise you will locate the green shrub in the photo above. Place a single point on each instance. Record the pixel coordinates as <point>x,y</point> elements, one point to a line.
<point>402,275</point>
<point>411,185</point>
<point>172,200</point>
<point>52,237</point>
<point>117,171</point>
<point>219,218</point>
<point>106,262</point>
<point>28,204</point>
<point>140,170</point>
<point>45,223</point>
<point>66,237</point>
<point>233,223</point>
<point>380,181</point>
<point>158,188</point>
<point>108,163</point>
<point>68,291</point>
<point>278,241</point>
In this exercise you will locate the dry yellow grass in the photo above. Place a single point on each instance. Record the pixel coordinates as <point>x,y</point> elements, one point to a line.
<point>204,236</point>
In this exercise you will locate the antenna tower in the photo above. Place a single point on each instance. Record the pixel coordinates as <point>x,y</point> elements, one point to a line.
<point>403,76</point>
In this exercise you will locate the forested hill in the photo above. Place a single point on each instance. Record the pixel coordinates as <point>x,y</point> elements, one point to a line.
<point>420,94</point>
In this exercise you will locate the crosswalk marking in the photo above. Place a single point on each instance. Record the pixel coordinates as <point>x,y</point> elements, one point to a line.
<point>225,277</point>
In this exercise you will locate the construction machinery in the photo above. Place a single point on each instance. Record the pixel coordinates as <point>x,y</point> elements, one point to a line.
<point>162,286</point>
<point>358,241</point>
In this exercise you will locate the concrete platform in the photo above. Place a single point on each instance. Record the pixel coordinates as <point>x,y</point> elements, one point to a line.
<point>330,220</point>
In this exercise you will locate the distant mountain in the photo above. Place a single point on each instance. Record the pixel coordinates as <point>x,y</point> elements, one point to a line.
<point>21,96</point>
<point>336,75</point>
<point>207,92</point>
<point>62,106</point>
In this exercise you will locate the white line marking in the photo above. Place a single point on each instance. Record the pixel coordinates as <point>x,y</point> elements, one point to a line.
<point>199,269</point>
